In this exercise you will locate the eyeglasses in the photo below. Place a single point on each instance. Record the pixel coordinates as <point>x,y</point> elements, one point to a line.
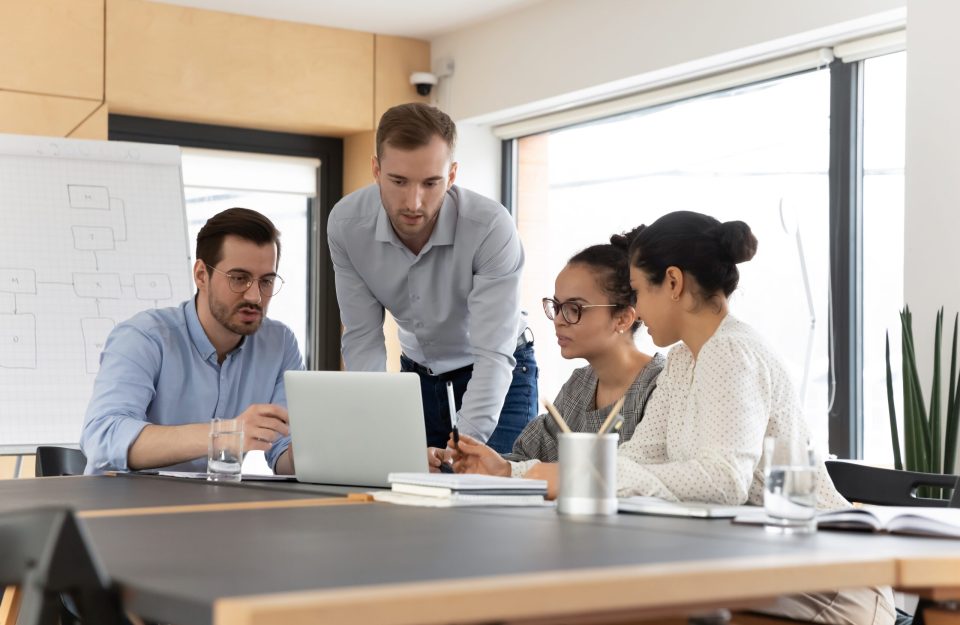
<point>571,311</point>
<point>241,282</point>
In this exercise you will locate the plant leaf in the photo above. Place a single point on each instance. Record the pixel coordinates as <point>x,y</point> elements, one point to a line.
<point>894,437</point>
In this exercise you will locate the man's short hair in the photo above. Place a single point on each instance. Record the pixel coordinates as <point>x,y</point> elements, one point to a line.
<point>241,222</point>
<point>413,125</point>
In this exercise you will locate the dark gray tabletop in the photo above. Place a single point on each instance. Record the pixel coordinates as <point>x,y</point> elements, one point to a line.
<point>177,566</point>
<point>107,492</point>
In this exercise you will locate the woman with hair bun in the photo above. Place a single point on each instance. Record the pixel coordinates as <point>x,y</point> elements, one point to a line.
<point>721,392</point>
<point>593,313</point>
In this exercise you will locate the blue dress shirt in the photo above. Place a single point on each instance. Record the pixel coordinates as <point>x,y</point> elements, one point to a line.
<point>159,367</point>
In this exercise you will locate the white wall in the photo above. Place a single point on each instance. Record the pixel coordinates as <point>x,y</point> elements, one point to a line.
<point>932,193</point>
<point>560,51</point>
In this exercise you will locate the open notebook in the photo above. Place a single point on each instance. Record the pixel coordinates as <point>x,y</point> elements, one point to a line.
<point>942,522</point>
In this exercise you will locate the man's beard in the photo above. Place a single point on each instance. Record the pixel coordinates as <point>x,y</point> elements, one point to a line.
<point>222,314</point>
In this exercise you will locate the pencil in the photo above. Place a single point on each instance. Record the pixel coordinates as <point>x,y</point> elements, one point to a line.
<point>556,416</point>
<point>613,413</point>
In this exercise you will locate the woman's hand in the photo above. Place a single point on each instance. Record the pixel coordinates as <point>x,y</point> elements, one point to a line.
<point>472,456</point>
<point>437,456</point>
<point>549,471</point>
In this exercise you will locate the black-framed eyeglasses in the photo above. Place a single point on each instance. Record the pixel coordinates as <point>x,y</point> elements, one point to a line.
<point>571,311</point>
<point>241,282</point>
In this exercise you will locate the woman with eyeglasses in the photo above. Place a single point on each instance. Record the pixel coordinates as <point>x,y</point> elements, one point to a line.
<point>593,313</point>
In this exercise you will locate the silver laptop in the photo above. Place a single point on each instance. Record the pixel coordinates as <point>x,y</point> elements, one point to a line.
<point>354,428</point>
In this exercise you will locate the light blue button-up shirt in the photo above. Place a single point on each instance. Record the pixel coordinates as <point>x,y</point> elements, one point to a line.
<point>159,367</point>
<point>457,302</point>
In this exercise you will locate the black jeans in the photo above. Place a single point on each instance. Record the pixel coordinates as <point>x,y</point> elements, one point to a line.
<point>519,406</point>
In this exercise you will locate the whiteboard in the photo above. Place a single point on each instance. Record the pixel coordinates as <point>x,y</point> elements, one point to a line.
<point>91,232</point>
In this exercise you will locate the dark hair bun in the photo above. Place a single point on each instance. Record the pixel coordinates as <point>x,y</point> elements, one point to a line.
<point>737,241</point>
<point>622,241</point>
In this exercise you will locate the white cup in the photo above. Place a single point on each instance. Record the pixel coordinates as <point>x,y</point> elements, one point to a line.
<point>588,474</point>
<point>790,486</point>
<point>225,450</point>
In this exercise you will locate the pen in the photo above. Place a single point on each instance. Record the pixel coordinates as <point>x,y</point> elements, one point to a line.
<point>453,415</point>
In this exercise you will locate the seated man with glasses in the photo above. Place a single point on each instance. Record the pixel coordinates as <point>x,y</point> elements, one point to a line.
<point>165,373</point>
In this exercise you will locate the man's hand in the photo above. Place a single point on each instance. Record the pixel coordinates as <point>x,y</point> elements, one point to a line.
<point>262,425</point>
<point>472,456</point>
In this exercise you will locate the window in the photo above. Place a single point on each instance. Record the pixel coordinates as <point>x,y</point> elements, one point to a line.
<point>759,153</point>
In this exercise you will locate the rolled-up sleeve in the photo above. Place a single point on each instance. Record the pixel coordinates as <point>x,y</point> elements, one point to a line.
<point>494,305</point>
<point>292,361</point>
<point>122,392</point>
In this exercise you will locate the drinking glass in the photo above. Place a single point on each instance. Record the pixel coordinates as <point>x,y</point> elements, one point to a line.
<point>790,489</point>
<point>225,450</point>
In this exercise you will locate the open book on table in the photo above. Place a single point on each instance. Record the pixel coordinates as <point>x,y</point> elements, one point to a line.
<point>942,522</point>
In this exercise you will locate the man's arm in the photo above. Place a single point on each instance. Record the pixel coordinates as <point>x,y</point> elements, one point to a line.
<point>494,305</point>
<point>122,391</point>
<point>362,343</point>
<point>280,455</point>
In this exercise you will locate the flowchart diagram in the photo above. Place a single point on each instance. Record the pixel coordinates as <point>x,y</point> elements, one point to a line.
<point>18,330</point>
<point>91,233</point>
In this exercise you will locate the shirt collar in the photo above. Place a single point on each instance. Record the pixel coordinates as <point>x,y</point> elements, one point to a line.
<point>443,233</point>
<point>197,334</point>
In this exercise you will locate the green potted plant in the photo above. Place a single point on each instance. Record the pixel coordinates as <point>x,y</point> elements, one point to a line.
<point>928,446</point>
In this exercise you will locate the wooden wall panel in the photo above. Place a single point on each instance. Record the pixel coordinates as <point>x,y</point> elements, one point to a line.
<point>358,149</point>
<point>30,114</point>
<point>396,59</point>
<point>203,66</point>
<point>94,127</point>
<point>52,47</point>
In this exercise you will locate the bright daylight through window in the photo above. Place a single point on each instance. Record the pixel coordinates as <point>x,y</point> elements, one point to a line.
<point>760,154</point>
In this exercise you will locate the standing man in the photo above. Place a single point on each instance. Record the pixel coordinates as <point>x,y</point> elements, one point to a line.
<point>446,263</point>
<point>165,373</point>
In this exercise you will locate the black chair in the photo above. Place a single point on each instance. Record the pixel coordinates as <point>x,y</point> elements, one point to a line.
<point>888,487</point>
<point>55,461</point>
<point>45,552</point>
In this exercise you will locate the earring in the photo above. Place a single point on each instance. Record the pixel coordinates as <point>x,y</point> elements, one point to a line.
<point>620,331</point>
<point>676,298</point>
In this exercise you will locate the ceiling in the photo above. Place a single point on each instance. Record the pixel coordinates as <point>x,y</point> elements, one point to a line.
<point>420,19</point>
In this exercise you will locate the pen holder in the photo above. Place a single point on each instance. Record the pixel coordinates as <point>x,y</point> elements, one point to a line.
<point>588,474</point>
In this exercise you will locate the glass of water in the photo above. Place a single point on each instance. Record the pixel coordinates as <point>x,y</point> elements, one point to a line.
<point>225,450</point>
<point>790,490</point>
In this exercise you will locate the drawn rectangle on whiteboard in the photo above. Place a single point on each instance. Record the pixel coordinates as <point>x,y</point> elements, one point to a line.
<point>152,286</point>
<point>95,333</point>
<point>82,196</point>
<point>18,341</point>
<point>93,238</point>
<point>97,285</point>
<point>18,281</point>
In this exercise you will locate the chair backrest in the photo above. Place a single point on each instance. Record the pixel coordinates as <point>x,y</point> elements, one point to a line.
<point>888,487</point>
<point>46,553</point>
<point>55,461</point>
